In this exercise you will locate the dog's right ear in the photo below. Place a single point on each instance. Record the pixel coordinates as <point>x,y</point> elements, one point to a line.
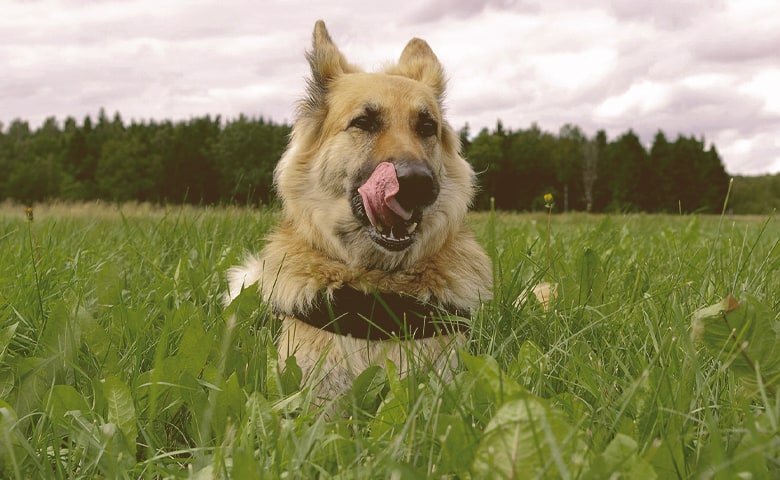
<point>418,62</point>
<point>327,63</point>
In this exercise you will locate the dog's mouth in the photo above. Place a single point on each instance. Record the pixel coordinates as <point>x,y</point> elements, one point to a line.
<point>388,222</point>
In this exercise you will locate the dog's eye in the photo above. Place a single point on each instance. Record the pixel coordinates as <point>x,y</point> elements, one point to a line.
<point>426,127</point>
<point>367,122</point>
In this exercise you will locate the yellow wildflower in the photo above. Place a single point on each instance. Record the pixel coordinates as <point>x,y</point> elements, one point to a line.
<point>548,201</point>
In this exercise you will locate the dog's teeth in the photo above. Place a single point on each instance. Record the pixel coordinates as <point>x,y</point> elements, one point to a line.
<point>411,227</point>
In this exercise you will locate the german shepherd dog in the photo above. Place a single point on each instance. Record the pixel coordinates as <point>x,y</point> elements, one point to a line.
<point>372,260</point>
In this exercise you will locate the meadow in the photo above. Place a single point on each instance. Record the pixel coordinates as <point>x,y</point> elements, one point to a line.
<point>118,360</point>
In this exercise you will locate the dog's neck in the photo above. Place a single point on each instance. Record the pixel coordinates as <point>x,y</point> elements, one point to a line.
<point>380,316</point>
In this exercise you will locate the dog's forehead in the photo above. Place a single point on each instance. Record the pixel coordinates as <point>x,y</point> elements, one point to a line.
<point>382,91</point>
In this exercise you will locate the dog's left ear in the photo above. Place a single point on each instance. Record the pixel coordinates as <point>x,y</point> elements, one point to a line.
<point>325,59</point>
<point>418,62</point>
<point>327,63</point>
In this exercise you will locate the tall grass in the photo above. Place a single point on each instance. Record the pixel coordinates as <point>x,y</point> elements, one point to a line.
<point>128,366</point>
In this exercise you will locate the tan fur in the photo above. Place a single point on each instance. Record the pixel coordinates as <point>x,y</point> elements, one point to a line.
<point>321,246</point>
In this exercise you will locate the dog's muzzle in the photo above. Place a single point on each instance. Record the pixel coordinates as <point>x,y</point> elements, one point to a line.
<point>390,201</point>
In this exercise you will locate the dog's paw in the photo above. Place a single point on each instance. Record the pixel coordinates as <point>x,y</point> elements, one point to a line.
<point>241,277</point>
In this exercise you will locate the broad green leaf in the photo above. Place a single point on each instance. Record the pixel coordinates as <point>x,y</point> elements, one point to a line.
<point>575,408</point>
<point>196,399</point>
<point>529,365</point>
<point>490,379</point>
<point>109,284</point>
<point>7,382</point>
<point>225,405</point>
<point>273,383</point>
<point>527,439</point>
<point>246,305</point>
<point>398,387</point>
<point>121,410</point>
<point>6,335</point>
<point>335,445</point>
<point>245,465</point>
<point>36,375</point>
<point>194,349</point>
<point>591,277</point>
<point>390,416</point>
<point>366,389</point>
<point>292,404</point>
<point>62,333</point>
<point>744,336</point>
<point>666,455</point>
<point>99,343</point>
<point>457,445</point>
<point>584,282</point>
<point>63,399</point>
<point>758,444</point>
<point>392,412</point>
<point>234,396</point>
<point>292,376</point>
<point>620,459</point>
<point>14,447</point>
<point>262,423</point>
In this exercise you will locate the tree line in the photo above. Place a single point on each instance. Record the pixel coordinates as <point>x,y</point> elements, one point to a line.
<point>757,194</point>
<point>202,160</point>
<point>206,160</point>
<point>596,174</point>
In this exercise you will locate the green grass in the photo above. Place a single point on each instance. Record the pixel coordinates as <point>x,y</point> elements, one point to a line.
<point>118,360</point>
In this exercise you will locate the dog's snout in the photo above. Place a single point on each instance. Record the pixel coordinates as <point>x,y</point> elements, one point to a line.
<point>417,186</point>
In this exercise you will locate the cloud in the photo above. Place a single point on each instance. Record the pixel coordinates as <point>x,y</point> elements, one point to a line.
<point>438,10</point>
<point>697,67</point>
<point>739,47</point>
<point>760,151</point>
<point>665,14</point>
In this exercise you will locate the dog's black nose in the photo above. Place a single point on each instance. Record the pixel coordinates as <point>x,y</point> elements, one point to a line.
<point>417,187</point>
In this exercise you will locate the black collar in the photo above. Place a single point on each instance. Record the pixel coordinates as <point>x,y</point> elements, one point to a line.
<point>382,316</point>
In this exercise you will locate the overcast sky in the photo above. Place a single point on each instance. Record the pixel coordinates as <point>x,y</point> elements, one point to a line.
<point>708,68</point>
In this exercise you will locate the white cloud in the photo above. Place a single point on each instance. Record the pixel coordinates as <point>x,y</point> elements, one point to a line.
<point>765,86</point>
<point>641,98</point>
<point>571,71</point>
<point>759,151</point>
<point>707,80</point>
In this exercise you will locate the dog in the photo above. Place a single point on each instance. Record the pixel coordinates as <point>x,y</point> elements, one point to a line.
<point>372,260</point>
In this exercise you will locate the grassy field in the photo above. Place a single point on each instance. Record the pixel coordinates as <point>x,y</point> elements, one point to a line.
<point>118,360</point>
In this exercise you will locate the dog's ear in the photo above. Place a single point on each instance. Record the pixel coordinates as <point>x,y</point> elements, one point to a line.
<point>418,62</point>
<point>327,63</point>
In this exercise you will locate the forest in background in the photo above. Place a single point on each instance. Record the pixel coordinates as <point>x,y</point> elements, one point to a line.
<point>208,160</point>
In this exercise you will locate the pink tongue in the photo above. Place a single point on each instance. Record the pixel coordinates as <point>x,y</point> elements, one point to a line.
<point>378,194</point>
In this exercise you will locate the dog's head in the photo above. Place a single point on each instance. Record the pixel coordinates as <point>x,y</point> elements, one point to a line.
<point>372,175</point>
